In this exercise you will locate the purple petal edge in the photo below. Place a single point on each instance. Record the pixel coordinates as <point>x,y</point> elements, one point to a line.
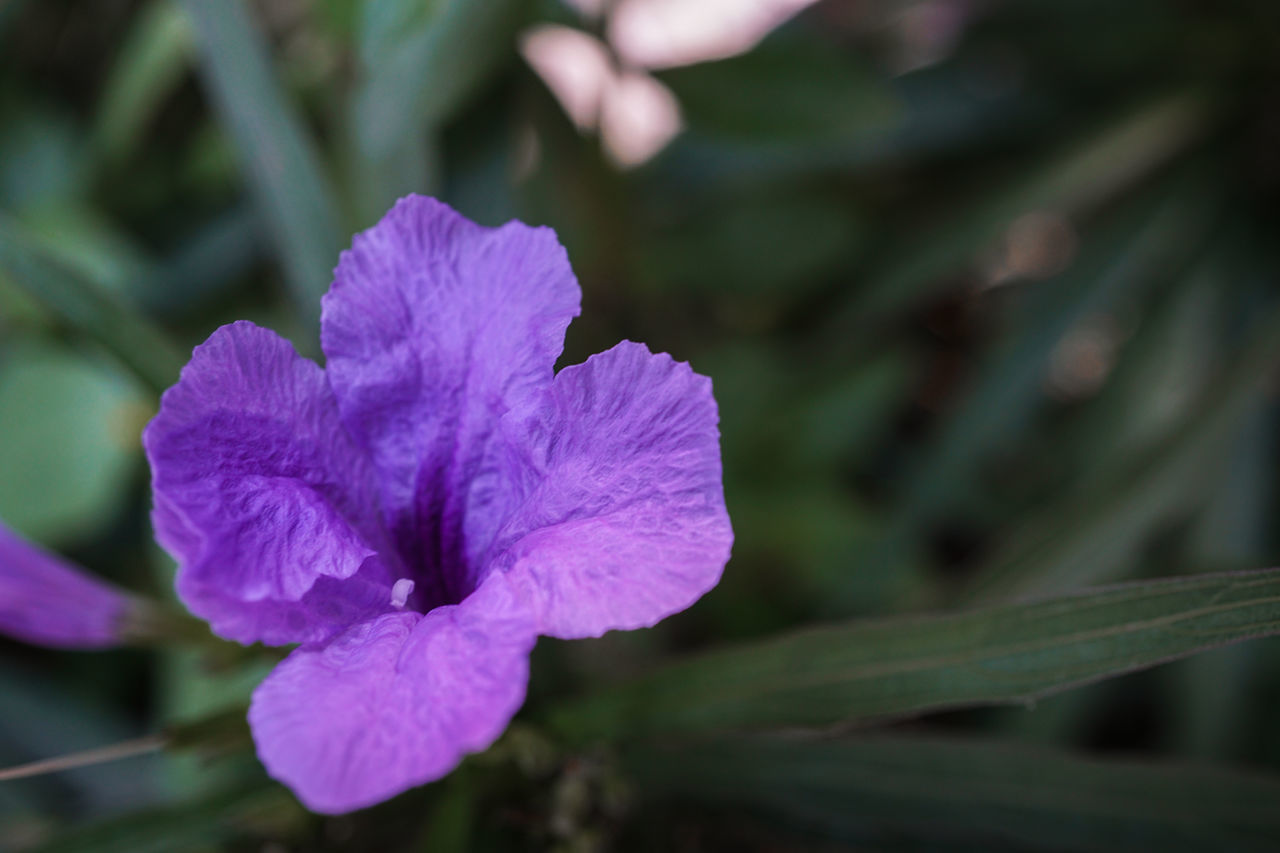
<point>438,450</point>
<point>394,702</point>
<point>627,524</point>
<point>434,329</point>
<point>260,495</point>
<point>47,601</point>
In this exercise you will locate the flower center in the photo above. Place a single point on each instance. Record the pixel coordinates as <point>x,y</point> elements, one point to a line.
<point>400,593</point>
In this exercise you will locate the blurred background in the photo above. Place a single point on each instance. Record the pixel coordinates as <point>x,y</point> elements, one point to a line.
<point>988,291</point>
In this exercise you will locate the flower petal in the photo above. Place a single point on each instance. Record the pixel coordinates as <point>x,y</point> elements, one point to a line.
<point>435,327</point>
<point>395,701</point>
<point>260,494</point>
<point>627,524</point>
<point>45,600</point>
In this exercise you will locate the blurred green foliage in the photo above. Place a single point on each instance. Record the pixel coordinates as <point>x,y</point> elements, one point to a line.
<point>988,292</point>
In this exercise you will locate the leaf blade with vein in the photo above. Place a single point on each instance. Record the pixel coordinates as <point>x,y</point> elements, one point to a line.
<point>875,669</point>
<point>89,310</point>
<point>974,791</point>
<point>282,169</point>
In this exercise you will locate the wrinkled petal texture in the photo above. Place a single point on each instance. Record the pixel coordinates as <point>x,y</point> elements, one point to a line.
<point>434,329</point>
<point>261,497</point>
<point>47,601</point>
<point>439,447</point>
<point>627,523</point>
<point>395,701</point>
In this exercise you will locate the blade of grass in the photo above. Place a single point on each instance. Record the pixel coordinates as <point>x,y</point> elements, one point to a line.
<point>190,825</point>
<point>282,169</point>
<point>1053,550</point>
<point>219,254</point>
<point>153,60</point>
<point>874,669</point>
<point>1093,169</point>
<point>1143,245</point>
<point>419,63</point>
<point>87,242</point>
<point>1233,531</point>
<point>449,824</point>
<point>45,718</point>
<point>988,793</point>
<point>1132,251</point>
<point>83,307</point>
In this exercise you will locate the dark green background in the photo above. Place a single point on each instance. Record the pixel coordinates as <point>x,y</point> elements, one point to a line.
<point>999,326</point>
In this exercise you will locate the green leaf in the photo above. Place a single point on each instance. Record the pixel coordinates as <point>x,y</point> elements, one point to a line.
<point>41,155</point>
<point>420,60</point>
<point>153,60</point>
<point>975,794</point>
<point>910,665</point>
<point>1126,257</point>
<point>71,426</point>
<point>219,254</point>
<point>1088,171</point>
<point>1121,262</point>
<point>282,170</point>
<point>89,244</point>
<point>202,701</point>
<point>83,307</point>
<point>1236,524</point>
<point>1061,546</point>
<point>45,717</point>
<point>185,826</point>
<point>784,90</point>
<point>911,118</point>
<point>451,820</point>
<point>770,249</point>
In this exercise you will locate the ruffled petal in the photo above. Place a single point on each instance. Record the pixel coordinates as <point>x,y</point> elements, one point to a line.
<point>260,495</point>
<point>436,327</point>
<point>395,701</point>
<point>627,522</point>
<point>47,601</point>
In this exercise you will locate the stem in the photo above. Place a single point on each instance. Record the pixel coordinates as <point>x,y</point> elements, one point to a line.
<point>101,755</point>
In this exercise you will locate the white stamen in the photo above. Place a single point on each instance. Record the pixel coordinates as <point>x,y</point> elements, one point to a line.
<point>400,592</point>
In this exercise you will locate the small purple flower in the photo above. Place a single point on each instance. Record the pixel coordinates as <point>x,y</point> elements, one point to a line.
<point>47,601</point>
<point>419,511</point>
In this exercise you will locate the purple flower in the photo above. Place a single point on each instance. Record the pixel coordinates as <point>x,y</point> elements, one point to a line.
<point>45,600</point>
<point>419,511</point>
